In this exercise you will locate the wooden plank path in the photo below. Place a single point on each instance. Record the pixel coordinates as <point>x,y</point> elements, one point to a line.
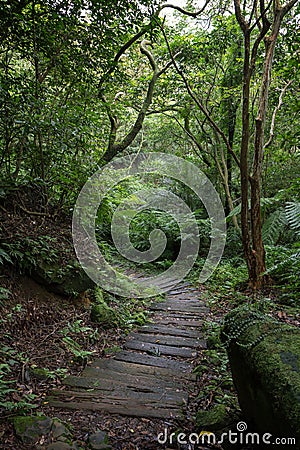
<point>152,376</point>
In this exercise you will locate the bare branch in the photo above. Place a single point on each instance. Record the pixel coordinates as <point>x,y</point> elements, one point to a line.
<point>145,51</point>
<point>276,109</point>
<point>121,52</point>
<point>184,11</point>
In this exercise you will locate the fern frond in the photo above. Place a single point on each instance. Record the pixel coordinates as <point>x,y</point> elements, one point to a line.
<point>274,226</point>
<point>265,202</point>
<point>292,212</point>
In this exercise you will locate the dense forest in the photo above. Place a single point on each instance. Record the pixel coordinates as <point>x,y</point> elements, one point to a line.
<point>119,119</point>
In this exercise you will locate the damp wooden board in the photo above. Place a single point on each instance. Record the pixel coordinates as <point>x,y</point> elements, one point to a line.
<point>178,308</point>
<point>170,330</point>
<point>165,397</point>
<point>160,349</point>
<point>180,303</point>
<point>120,382</point>
<point>173,341</point>
<point>150,360</point>
<point>182,322</point>
<point>123,367</point>
<point>176,315</point>
<point>122,406</point>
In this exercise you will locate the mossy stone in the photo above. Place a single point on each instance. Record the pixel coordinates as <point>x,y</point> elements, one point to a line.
<point>39,373</point>
<point>103,314</point>
<point>212,420</point>
<point>30,428</point>
<point>64,281</point>
<point>99,441</point>
<point>265,358</point>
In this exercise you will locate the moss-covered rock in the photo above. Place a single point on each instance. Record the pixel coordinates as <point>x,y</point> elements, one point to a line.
<point>214,419</point>
<point>30,428</point>
<point>39,373</point>
<point>265,360</point>
<point>99,441</point>
<point>68,280</point>
<point>103,314</point>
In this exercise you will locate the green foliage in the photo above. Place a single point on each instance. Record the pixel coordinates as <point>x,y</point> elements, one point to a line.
<point>9,358</point>
<point>26,252</point>
<point>292,212</point>
<point>284,267</point>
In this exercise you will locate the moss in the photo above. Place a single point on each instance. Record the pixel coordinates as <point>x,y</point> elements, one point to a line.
<point>264,358</point>
<point>103,314</point>
<point>213,419</point>
<point>39,373</point>
<point>70,280</point>
<point>30,428</point>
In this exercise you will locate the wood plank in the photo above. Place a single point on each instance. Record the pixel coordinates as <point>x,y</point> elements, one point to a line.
<point>176,314</point>
<point>182,308</point>
<point>139,379</point>
<point>186,322</point>
<point>138,384</point>
<point>125,408</point>
<point>120,383</point>
<point>170,330</point>
<point>140,369</point>
<point>157,349</point>
<point>156,361</point>
<point>167,397</point>
<point>174,341</point>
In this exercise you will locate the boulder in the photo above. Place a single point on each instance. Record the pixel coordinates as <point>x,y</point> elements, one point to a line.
<point>264,356</point>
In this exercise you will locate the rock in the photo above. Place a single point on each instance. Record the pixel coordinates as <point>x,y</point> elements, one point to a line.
<point>64,281</point>
<point>29,429</point>
<point>39,373</point>
<point>214,419</point>
<point>264,356</point>
<point>99,441</point>
<point>101,313</point>
<point>59,430</point>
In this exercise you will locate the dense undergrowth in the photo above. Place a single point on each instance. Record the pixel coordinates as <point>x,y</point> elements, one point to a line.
<point>46,337</point>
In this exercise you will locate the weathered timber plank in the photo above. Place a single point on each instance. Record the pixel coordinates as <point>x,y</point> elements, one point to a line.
<point>167,397</point>
<point>160,349</point>
<point>185,322</point>
<point>120,383</point>
<point>139,369</point>
<point>143,378</point>
<point>179,308</point>
<point>125,408</point>
<point>176,314</point>
<point>156,361</point>
<point>172,331</point>
<point>173,341</point>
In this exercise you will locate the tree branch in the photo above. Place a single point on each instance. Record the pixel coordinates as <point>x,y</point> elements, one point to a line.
<point>116,147</point>
<point>198,102</point>
<point>276,109</point>
<point>184,11</point>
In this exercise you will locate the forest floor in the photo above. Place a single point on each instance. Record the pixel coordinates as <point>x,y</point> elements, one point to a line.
<point>33,328</point>
<point>37,327</point>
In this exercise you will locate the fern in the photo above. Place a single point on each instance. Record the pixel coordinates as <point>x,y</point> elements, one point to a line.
<point>4,257</point>
<point>265,203</point>
<point>274,225</point>
<point>292,212</point>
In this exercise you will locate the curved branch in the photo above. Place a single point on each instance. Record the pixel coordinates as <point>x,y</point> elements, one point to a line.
<point>276,109</point>
<point>184,11</point>
<point>116,147</point>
